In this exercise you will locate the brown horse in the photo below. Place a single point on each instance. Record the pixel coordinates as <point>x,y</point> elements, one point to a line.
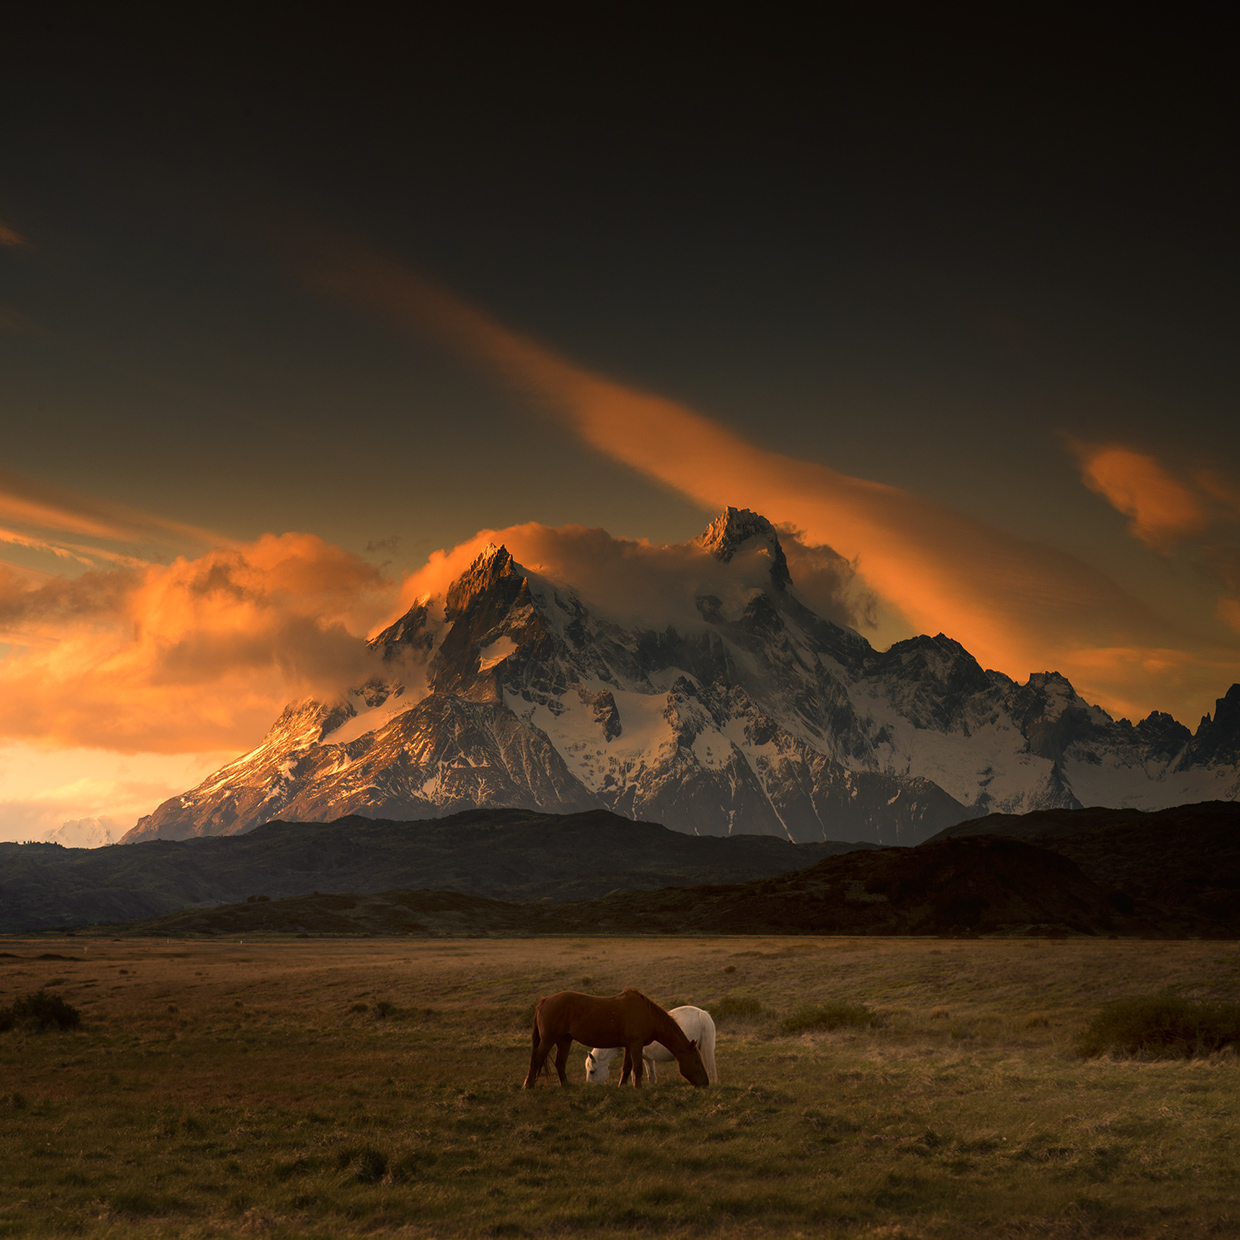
<point>628,1019</point>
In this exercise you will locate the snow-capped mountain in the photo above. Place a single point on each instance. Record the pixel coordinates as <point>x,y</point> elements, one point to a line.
<point>750,714</point>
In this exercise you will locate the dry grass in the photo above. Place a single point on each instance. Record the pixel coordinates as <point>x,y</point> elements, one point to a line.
<point>337,1088</point>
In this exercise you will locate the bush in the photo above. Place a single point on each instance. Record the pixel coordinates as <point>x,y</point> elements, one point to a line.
<point>39,1011</point>
<point>1160,1027</point>
<point>829,1016</point>
<point>732,1006</point>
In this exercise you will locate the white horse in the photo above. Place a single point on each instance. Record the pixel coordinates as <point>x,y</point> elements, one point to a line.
<point>697,1025</point>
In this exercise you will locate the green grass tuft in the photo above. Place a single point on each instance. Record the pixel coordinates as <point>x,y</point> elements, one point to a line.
<point>1160,1027</point>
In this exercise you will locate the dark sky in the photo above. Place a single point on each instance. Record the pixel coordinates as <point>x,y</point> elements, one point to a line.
<point>913,253</point>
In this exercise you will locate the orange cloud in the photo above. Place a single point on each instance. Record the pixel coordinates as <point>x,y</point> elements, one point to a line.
<point>200,654</point>
<point>1010,601</point>
<point>68,551</point>
<point>1016,604</point>
<point>38,505</point>
<point>1162,508</point>
<point>10,236</point>
<point>632,580</point>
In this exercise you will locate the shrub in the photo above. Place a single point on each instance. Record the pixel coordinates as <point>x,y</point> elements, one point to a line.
<point>39,1011</point>
<point>829,1016</point>
<point>1160,1027</point>
<point>731,1006</point>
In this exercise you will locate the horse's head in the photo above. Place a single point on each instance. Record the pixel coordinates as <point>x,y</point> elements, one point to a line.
<point>597,1072</point>
<point>691,1066</point>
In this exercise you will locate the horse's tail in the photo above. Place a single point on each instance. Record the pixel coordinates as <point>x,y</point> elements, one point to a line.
<point>706,1046</point>
<point>545,1070</point>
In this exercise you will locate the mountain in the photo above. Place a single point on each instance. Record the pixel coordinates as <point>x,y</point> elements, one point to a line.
<point>1178,867</point>
<point>85,833</point>
<point>488,853</point>
<point>973,886</point>
<point>732,707</point>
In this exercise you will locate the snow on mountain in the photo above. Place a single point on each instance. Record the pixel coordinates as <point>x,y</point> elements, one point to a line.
<point>85,833</point>
<point>746,712</point>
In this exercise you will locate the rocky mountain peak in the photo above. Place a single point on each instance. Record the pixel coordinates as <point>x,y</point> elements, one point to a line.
<point>1218,739</point>
<point>492,565</point>
<point>768,719</point>
<point>733,528</point>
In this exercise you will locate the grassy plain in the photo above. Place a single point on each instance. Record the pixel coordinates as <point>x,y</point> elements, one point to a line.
<point>372,1087</point>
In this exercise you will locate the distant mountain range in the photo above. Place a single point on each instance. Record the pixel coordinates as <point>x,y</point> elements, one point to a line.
<point>513,872</point>
<point>499,854</point>
<point>1070,872</point>
<point>749,714</point>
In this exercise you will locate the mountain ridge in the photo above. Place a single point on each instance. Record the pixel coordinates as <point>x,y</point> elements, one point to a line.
<point>739,710</point>
<point>509,854</point>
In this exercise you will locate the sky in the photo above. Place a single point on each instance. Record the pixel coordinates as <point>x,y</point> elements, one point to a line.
<point>292,321</point>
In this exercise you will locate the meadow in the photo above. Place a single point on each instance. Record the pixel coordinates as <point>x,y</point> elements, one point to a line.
<point>371,1087</point>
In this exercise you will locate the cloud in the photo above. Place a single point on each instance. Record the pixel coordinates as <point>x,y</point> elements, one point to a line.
<point>1193,512</point>
<point>38,505</point>
<point>199,654</point>
<point>632,580</point>
<point>67,550</point>
<point>1162,508</point>
<point>10,236</point>
<point>1017,604</point>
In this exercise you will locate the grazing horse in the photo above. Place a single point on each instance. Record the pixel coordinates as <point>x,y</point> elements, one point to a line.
<point>628,1019</point>
<point>696,1023</point>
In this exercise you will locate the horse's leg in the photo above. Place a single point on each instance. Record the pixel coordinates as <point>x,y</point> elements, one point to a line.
<point>561,1058</point>
<point>651,1070</point>
<point>639,1063</point>
<point>628,1067</point>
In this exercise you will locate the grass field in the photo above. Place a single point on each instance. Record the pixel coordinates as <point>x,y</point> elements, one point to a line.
<point>372,1087</point>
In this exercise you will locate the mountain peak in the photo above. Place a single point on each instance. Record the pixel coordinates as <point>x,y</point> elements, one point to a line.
<point>733,528</point>
<point>492,564</point>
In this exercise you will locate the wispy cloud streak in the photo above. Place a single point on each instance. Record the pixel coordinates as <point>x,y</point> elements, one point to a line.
<point>1019,605</point>
<point>51,510</point>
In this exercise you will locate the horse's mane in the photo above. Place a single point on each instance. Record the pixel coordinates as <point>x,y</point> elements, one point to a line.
<point>670,1033</point>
